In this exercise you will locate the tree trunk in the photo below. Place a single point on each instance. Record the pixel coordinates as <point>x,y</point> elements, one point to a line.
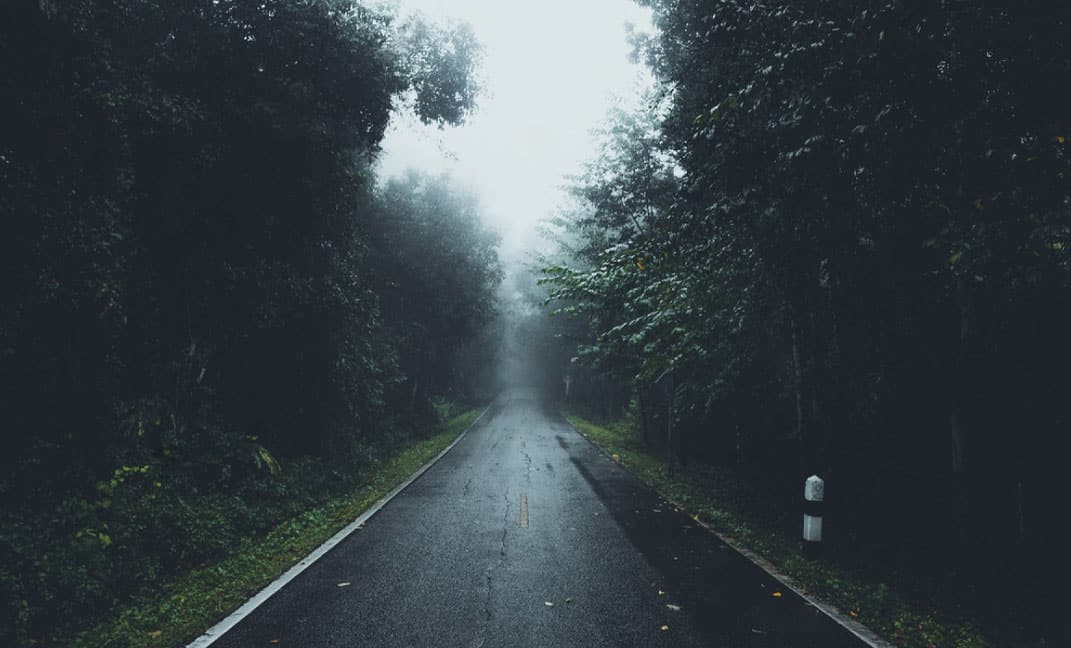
<point>959,387</point>
<point>645,417</point>
<point>960,496</point>
<point>672,455</point>
<point>799,377</point>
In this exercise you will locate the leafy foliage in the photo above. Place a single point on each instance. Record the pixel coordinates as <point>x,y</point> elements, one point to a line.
<point>436,270</point>
<point>860,269</point>
<point>191,263</point>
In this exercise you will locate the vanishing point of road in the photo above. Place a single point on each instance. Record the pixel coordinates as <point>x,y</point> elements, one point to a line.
<point>524,534</point>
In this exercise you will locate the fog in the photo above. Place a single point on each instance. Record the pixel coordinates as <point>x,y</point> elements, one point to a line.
<point>550,71</point>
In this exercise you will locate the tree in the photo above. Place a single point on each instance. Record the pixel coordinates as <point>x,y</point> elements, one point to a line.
<point>187,197</point>
<point>436,270</point>
<point>871,229</point>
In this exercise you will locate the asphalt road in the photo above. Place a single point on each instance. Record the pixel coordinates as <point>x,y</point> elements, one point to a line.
<point>526,535</point>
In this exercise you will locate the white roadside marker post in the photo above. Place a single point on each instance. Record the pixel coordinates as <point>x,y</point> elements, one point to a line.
<point>813,508</point>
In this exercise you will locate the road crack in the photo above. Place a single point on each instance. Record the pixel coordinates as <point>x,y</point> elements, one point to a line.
<point>527,462</point>
<point>481,632</point>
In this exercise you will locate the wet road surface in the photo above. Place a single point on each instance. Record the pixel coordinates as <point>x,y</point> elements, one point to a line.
<point>521,513</point>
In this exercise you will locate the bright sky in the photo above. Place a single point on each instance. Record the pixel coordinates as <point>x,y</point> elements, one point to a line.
<point>550,71</point>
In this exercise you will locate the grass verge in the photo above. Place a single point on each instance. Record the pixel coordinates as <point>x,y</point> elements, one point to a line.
<point>182,609</point>
<point>719,498</point>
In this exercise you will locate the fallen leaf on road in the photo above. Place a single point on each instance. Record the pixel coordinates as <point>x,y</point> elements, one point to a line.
<point>344,584</point>
<point>675,608</point>
<point>664,628</point>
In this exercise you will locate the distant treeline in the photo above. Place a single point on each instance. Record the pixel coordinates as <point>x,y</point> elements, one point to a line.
<point>201,280</point>
<point>846,228</point>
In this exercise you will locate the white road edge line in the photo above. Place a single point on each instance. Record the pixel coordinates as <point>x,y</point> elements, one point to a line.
<point>860,631</point>
<point>231,620</point>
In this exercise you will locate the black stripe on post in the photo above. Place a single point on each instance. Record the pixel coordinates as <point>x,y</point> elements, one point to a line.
<point>813,510</point>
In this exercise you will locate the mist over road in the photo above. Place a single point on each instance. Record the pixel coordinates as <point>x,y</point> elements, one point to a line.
<point>525,535</point>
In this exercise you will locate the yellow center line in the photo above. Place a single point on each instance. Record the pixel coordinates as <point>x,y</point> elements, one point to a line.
<point>524,511</point>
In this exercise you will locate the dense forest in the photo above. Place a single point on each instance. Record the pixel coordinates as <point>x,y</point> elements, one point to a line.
<point>204,283</point>
<point>845,227</point>
<point>834,238</point>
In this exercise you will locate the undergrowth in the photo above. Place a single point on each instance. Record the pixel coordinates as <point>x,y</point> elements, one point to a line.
<point>163,562</point>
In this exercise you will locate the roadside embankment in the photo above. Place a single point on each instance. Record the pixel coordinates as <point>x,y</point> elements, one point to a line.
<point>186,603</point>
<point>721,499</point>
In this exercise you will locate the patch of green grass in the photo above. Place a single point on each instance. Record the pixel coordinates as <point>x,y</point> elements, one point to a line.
<point>461,422</point>
<point>182,609</point>
<point>718,497</point>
